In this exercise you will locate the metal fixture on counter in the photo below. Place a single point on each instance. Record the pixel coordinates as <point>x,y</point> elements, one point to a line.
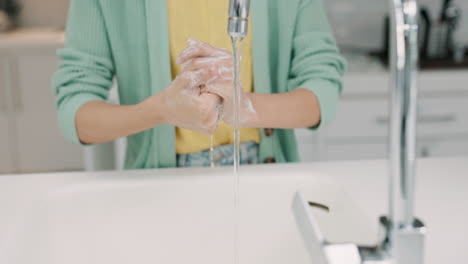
<point>449,22</point>
<point>404,239</point>
<point>439,41</point>
<point>445,49</point>
<point>238,18</point>
<point>425,28</point>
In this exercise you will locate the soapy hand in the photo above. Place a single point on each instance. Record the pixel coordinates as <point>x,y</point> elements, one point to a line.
<point>186,106</point>
<point>200,55</point>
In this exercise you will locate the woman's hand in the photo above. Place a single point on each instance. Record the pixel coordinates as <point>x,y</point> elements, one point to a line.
<point>184,105</point>
<point>199,56</point>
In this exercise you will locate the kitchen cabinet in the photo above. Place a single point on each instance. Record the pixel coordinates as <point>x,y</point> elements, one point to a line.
<point>360,129</point>
<point>6,124</point>
<point>309,145</point>
<point>443,148</point>
<point>41,145</point>
<point>370,118</point>
<point>32,142</point>
<point>379,150</point>
<point>355,151</point>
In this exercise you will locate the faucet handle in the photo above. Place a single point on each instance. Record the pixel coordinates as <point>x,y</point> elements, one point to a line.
<point>320,250</point>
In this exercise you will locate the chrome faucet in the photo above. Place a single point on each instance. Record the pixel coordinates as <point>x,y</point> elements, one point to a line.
<point>238,22</point>
<point>404,243</point>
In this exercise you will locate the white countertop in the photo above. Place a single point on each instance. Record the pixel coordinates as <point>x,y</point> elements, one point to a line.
<point>32,38</point>
<point>442,193</point>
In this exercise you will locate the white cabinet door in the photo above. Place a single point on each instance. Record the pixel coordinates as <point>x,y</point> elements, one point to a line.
<point>41,146</point>
<point>6,121</point>
<point>308,145</point>
<point>444,148</point>
<point>355,151</point>
<point>369,118</point>
<point>378,150</point>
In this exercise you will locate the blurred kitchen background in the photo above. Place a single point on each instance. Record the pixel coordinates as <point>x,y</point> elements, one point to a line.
<point>33,29</point>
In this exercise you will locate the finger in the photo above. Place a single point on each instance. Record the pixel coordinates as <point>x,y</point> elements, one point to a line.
<point>211,99</point>
<point>217,105</point>
<point>220,109</point>
<point>190,79</point>
<point>222,64</point>
<point>201,51</point>
<point>198,49</point>
<point>211,103</point>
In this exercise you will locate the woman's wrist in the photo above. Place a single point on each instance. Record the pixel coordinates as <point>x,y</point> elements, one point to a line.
<point>296,109</point>
<point>251,117</point>
<point>152,110</point>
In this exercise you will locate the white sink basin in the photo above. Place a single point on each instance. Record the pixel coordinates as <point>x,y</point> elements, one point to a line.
<point>180,216</point>
<point>171,218</point>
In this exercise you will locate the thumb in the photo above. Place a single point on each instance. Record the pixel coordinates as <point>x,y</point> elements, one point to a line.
<point>223,89</point>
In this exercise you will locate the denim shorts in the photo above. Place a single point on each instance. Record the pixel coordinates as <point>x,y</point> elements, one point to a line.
<point>223,156</point>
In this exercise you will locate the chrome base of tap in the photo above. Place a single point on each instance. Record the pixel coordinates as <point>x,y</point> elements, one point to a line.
<point>407,248</point>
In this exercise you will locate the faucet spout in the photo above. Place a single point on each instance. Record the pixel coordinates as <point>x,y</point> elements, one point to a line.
<point>403,111</point>
<point>405,235</point>
<point>238,18</point>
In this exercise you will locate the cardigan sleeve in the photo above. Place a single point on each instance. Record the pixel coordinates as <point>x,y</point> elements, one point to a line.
<point>86,68</point>
<point>316,64</point>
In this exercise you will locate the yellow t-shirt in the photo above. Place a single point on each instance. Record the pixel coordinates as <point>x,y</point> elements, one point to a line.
<point>206,21</point>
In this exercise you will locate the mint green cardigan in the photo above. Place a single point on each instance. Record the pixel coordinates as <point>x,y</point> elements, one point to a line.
<point>293,47</point>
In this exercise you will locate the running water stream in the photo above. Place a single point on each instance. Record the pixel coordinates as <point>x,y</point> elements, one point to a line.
<point>237,52</point>
<point>212,162</point>
<point>237,58</point>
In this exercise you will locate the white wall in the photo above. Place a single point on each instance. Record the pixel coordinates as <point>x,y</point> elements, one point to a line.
<point>43,13</point>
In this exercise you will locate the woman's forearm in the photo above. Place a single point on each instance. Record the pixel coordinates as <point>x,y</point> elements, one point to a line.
<point>99,122</point>
<point>296,109</point>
